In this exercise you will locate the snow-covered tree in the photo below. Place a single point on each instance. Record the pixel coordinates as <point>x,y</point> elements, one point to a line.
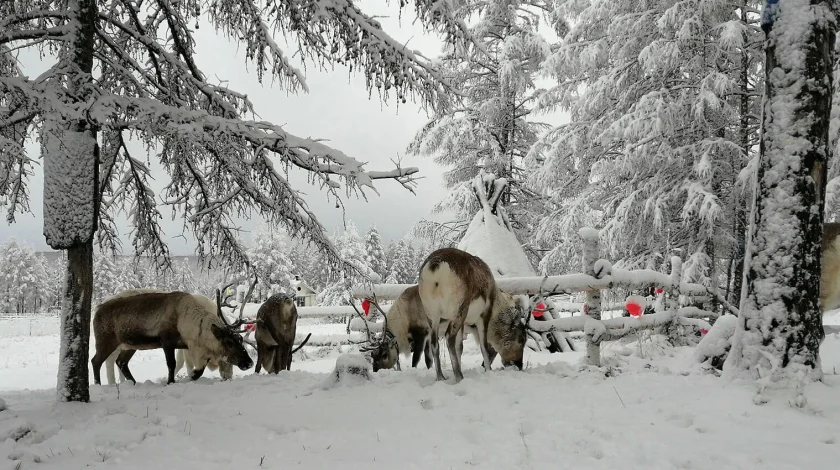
<point>402,264</point>
<point>270,261</point>
<point>375,254</point>
<point>351,247</point>
<point>148,88</point>
<point>780,323</point>
<point>24,278</point>
<point>108,276</point>
<point>491,126</point>
<point>663,104</point>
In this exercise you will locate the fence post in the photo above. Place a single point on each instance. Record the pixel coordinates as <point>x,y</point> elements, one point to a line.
<point>593,296</point>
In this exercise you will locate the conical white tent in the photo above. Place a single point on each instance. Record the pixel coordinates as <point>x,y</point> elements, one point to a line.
<point>491,238</point>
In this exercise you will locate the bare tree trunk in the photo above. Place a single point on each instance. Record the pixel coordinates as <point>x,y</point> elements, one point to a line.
<point>780,328</point>
<point>739,203</point>
<point>71,202</point>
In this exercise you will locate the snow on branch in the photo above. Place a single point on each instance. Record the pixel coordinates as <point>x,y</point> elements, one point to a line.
<point>614,328</point>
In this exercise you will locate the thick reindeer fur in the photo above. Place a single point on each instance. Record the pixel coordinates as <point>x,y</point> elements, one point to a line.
<point>109,363</point>
<point>409,325</point>
<point>275,333</point>
<point>168,320</point>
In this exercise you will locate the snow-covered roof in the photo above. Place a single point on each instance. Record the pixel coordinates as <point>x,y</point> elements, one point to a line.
<point>298,285</point>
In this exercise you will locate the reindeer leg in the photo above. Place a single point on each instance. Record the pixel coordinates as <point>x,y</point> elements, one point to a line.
<point>103,351</point>
<point>418,346</point>
<point>452,333</point>
<point>169,353</point>
<point>122,363</point>
<point>482,342</point>
<point>260,356</point>
<point>109,368</point>
<point>427,352</point>
<point>436,352</point>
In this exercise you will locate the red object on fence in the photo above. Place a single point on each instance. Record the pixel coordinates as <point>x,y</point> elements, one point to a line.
<point>538,310</point>
<point>366,306</point>
<point>703,331</point>
<point>585,309</point>
<point>635,305</point>
<point>659,290</point>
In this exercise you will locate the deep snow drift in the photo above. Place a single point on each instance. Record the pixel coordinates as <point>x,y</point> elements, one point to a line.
<point>651,407</point>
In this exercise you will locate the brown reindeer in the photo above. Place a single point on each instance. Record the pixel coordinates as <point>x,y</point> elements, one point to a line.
<point>275,333</point>
<point>406,327</point>
<point>167,320</point>
<point>458,291</point>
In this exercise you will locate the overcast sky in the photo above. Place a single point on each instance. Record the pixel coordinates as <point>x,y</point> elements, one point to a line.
<point>336,108</point>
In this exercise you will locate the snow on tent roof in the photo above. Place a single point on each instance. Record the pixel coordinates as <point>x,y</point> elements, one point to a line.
<point>489,238</point>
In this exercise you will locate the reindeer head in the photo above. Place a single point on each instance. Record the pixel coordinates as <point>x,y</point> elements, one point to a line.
<point>513,333</point>
<point>230,336</point>
<point>383,349</point>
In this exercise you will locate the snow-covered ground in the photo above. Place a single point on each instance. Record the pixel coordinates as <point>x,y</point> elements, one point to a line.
<point>654,409</point>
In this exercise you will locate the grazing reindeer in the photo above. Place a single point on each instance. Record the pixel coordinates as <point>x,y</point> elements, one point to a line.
<point>185,357</point>
<point>167,320</point>
<point>458,290</point>
<point>109,362</point>
<point>275,335</point>
<point>406,322</point>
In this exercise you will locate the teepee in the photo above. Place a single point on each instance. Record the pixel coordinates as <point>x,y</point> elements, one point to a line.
<point>490,236</point>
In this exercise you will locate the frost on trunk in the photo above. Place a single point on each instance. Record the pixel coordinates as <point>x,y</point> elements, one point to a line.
<point>780,327</point>
<point>69,187</point>
<point>71,201</point>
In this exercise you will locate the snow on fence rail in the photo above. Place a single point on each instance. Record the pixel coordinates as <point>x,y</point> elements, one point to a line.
<point>600,275</point>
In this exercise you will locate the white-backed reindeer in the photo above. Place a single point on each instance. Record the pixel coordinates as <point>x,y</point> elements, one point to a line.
<point>458,291</point>
<point>406,328</point>
<point>185,357</point>
<point>167,320</point>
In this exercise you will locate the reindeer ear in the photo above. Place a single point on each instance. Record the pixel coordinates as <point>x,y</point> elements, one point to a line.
<point>218,331</point>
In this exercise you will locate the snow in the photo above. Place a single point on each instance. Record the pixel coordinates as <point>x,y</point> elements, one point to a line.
<point>69,162</point>
<point>718,340</point>
<point>651,407</point>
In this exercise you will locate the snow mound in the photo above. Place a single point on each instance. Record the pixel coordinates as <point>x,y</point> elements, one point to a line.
<point>602,268</point>
<point>588,233</point>
<point>349,369</point>
<point>717,342</point>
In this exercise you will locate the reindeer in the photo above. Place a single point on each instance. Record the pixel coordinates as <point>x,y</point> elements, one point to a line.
<point>458,291</point>
<point>186,358</point>
<point>406,327</point>
<point>167,320</point>
<point>275,333</point>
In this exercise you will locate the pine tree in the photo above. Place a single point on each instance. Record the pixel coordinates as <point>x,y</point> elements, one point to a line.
<point>780,328</point>
<point>375,255</point>
<point>268,255</point>
<point>491,127</point>
<point>23,278</point>
<point>107,279</point>
<point>148,87</point>
<point>338,290</point>
<point>663,100</point>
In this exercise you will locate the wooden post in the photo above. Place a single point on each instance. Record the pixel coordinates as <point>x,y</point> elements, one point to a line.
<point>593,297</point>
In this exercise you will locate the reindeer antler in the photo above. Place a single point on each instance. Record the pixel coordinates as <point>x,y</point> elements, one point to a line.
<point>223,302</point>
<point>369,339</point>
